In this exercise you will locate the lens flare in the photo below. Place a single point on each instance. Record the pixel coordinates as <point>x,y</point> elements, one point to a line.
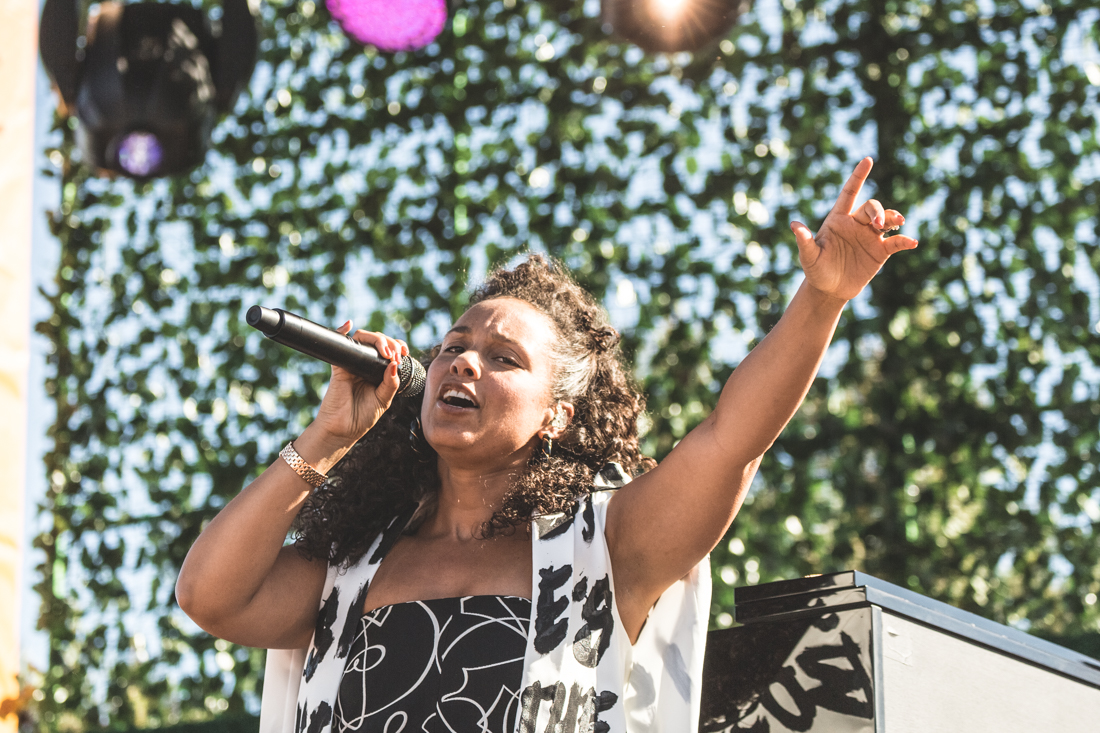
<point>140,154</point>
<point>668,9</point>
<point>671,26</point>
<point>391,25</point>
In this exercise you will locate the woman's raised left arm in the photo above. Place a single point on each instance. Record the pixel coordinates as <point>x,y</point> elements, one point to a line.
<point>661,524</point>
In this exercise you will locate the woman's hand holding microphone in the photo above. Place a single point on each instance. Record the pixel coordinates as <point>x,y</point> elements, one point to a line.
<point>238,581</point>
<point>351,405</point>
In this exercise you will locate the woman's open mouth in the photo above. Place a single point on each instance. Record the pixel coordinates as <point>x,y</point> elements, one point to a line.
<point>454,398</point>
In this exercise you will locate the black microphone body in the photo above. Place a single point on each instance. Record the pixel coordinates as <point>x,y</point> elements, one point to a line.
<point>330,346</point>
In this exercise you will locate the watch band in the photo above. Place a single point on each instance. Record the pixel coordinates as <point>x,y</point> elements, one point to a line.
<point>312,476</point>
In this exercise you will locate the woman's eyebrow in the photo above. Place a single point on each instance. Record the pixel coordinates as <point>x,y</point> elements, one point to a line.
<point>496,336</point>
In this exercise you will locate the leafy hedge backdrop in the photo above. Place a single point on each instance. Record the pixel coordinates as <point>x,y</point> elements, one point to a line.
<point>949,446</point>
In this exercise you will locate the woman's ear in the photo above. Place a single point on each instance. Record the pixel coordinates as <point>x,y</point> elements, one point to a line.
<point>558,418</point>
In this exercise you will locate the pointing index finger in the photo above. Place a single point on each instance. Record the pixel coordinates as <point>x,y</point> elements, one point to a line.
<point>847,198</point>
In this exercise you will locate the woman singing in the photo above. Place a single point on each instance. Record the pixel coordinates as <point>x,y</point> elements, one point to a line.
<point>482,561</point>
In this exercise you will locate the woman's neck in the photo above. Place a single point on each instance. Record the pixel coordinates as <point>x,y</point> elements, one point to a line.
<point>469,497</point>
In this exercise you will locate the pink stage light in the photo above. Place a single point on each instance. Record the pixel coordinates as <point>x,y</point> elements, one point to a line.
<point>391,25</point>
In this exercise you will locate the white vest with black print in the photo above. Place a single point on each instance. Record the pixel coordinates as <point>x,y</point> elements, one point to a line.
<point>581,673</point>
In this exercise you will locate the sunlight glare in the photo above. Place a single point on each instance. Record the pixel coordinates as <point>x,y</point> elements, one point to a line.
<point>669,9</point>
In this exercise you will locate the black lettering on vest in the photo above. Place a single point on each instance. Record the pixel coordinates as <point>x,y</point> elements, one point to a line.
<point>589,719</point>
<point>579,713</point>
<point>580,590</point>
<point>320,718</point>
<point>530,701</point>
<point>351,623</point>
<point>604,702</point>
<point>589,529</point>
<point>577,696</point>
<point>549,631</point>
<point>554,525</point>
<point>322,633</point>
<point>594,636</point>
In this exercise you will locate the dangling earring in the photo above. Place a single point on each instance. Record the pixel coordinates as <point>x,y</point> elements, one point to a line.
<point>559,421</point>
<point>419,444</point>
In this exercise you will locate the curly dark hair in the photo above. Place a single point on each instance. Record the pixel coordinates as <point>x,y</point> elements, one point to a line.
<point>384,475</point>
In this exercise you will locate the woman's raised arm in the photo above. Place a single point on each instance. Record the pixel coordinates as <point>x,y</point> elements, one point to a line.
<point>238,581</point>
<point>664,522</point>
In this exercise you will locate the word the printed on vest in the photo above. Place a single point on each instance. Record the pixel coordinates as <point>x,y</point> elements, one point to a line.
<point>577,714</point>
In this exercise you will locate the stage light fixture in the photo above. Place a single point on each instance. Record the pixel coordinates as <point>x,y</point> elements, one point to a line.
<point>140,154</point>
<point>669,26</point>
<point>150,80</point>
<point>390,25</point>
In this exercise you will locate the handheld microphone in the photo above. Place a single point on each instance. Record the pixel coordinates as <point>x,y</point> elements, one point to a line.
<point>329,346</point>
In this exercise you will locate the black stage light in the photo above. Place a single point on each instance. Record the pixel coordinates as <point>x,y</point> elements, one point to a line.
<point>671,25</point>
<point>150,81</point>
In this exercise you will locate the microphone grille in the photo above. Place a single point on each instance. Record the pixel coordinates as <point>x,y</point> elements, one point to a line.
<point>412,376</point>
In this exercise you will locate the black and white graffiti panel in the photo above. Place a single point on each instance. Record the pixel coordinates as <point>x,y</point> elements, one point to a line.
<point>791,676</point>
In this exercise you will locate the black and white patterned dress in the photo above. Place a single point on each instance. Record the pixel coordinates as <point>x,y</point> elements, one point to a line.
<point>435,666</point>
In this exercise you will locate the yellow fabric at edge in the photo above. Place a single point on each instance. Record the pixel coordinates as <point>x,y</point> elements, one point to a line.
<point>18,66</point>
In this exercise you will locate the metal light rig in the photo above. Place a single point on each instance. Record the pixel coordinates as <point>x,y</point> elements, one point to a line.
<point>149,81</point>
